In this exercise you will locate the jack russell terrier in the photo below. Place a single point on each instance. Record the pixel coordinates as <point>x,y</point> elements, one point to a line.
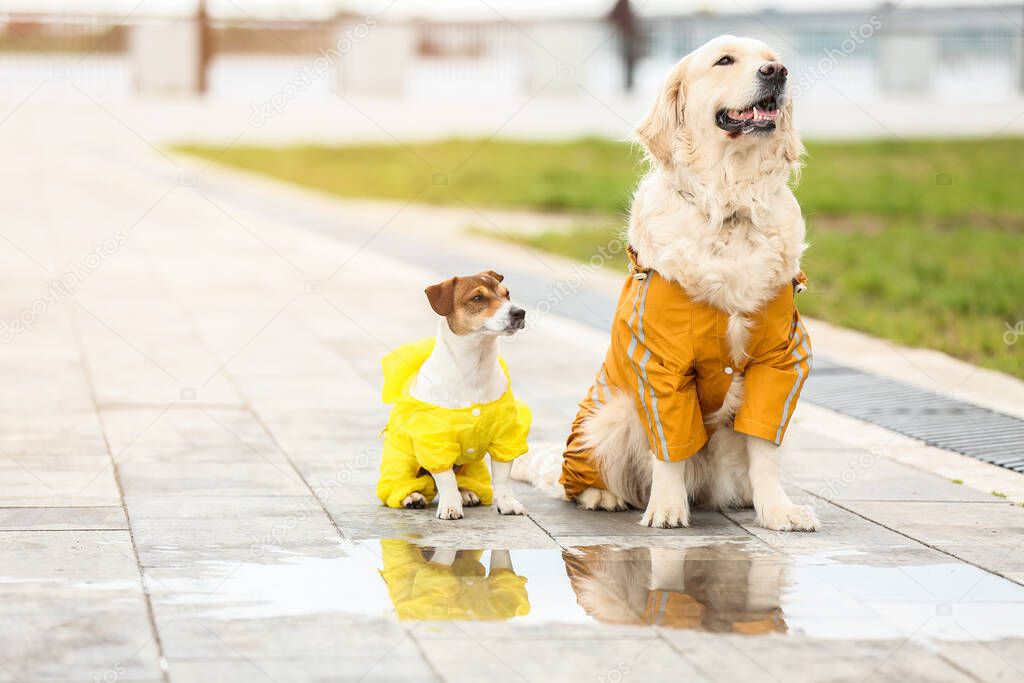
<point>453,404</point>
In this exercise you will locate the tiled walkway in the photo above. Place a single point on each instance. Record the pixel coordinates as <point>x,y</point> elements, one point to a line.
<point>189,448</point>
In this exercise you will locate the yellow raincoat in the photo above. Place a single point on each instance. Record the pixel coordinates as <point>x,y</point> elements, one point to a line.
<point>422,438</point>
<point>420,589</point>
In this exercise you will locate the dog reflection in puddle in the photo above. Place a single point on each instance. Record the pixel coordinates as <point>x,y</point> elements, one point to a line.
<point>718,588</point>
<point>427,584</point>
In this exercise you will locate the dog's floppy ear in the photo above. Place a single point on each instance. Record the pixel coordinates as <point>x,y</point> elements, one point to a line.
<point>655,132</point>
<point>497,276</point>
<point>442,296</point>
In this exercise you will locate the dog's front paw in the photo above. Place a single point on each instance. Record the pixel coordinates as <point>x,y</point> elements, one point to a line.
<point>449,510</point>
<point>469,499</point>
<point>666,516</point>
<point>508,505</point>
<point>414,501</point>
<point>787,517</point>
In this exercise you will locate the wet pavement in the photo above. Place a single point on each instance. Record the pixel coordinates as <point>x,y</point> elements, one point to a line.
<point>736,587</point>
<point>188,452</point>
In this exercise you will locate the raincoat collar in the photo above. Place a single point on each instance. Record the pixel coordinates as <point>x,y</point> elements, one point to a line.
<point>400,368</point>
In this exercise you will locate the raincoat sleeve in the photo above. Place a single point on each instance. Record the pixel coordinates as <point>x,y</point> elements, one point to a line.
<point>510,441</point>
<point>774,380</point>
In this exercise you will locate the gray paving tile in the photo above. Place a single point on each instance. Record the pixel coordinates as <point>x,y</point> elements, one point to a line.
<point>62,518</point>
<point>986,534</point>
<point>57,641</point>
<point>281,636</point>
<point>367,664</point>
<point>781,658</point>
<point>71,604</point>
<point>57,479</point>
<point>284,393</point>
<point>646,658</point>
<point>57,433</point>
<point>805,437</point>
<point>188,530</point>
<point>867,475</point>
<point>342,482</point>
<point>332,434</point>
<point>183,427</point>
<point>999,660</point>
<point>175,478</point>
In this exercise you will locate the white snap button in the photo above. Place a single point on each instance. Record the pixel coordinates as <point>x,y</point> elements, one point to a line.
<point>471,450</point>
<point>476,412</point>
<point>728,370</point>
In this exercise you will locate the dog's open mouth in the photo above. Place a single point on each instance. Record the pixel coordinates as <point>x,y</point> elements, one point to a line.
<point>757,118</point>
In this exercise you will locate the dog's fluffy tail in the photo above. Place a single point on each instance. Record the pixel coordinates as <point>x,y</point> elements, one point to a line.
<point>621,449</point>
<point>619,446</point>
<point>541,467</point>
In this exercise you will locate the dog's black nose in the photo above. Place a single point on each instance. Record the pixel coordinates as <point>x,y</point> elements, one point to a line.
<point>773,72</point>
<point>517,315</point>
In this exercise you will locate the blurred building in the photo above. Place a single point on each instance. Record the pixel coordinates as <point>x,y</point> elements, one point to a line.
<point>945,51</point>
<point>469,50</point>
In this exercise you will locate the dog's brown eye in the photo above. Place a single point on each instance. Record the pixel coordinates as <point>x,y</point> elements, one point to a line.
<point>725,61</point>
<point>477,299</point>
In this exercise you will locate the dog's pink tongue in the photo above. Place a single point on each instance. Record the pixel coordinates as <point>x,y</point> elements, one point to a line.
<point>742,115</point>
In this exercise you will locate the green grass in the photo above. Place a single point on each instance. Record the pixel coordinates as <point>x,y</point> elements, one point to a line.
<point>893,178</point>
<point>921,242</point>
<point>581,175</point>
<point>877,178</point>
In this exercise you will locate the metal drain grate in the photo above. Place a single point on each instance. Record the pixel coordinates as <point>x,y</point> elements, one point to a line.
<point>931,417</point>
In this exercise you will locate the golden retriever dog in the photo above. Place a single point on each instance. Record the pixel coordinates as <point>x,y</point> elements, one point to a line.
<point>716,228</point>
<point>719,588</point>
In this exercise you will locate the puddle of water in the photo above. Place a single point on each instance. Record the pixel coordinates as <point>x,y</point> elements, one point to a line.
<point>726,587</point>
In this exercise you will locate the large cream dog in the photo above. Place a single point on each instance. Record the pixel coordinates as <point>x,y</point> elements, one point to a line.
<point>708,354</point>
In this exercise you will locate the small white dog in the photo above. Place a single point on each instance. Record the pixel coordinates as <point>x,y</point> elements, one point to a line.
<point>453,405</point>
<point>708,354</point>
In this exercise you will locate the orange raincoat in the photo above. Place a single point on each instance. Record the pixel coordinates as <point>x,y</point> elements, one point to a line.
<point>672,356</point>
